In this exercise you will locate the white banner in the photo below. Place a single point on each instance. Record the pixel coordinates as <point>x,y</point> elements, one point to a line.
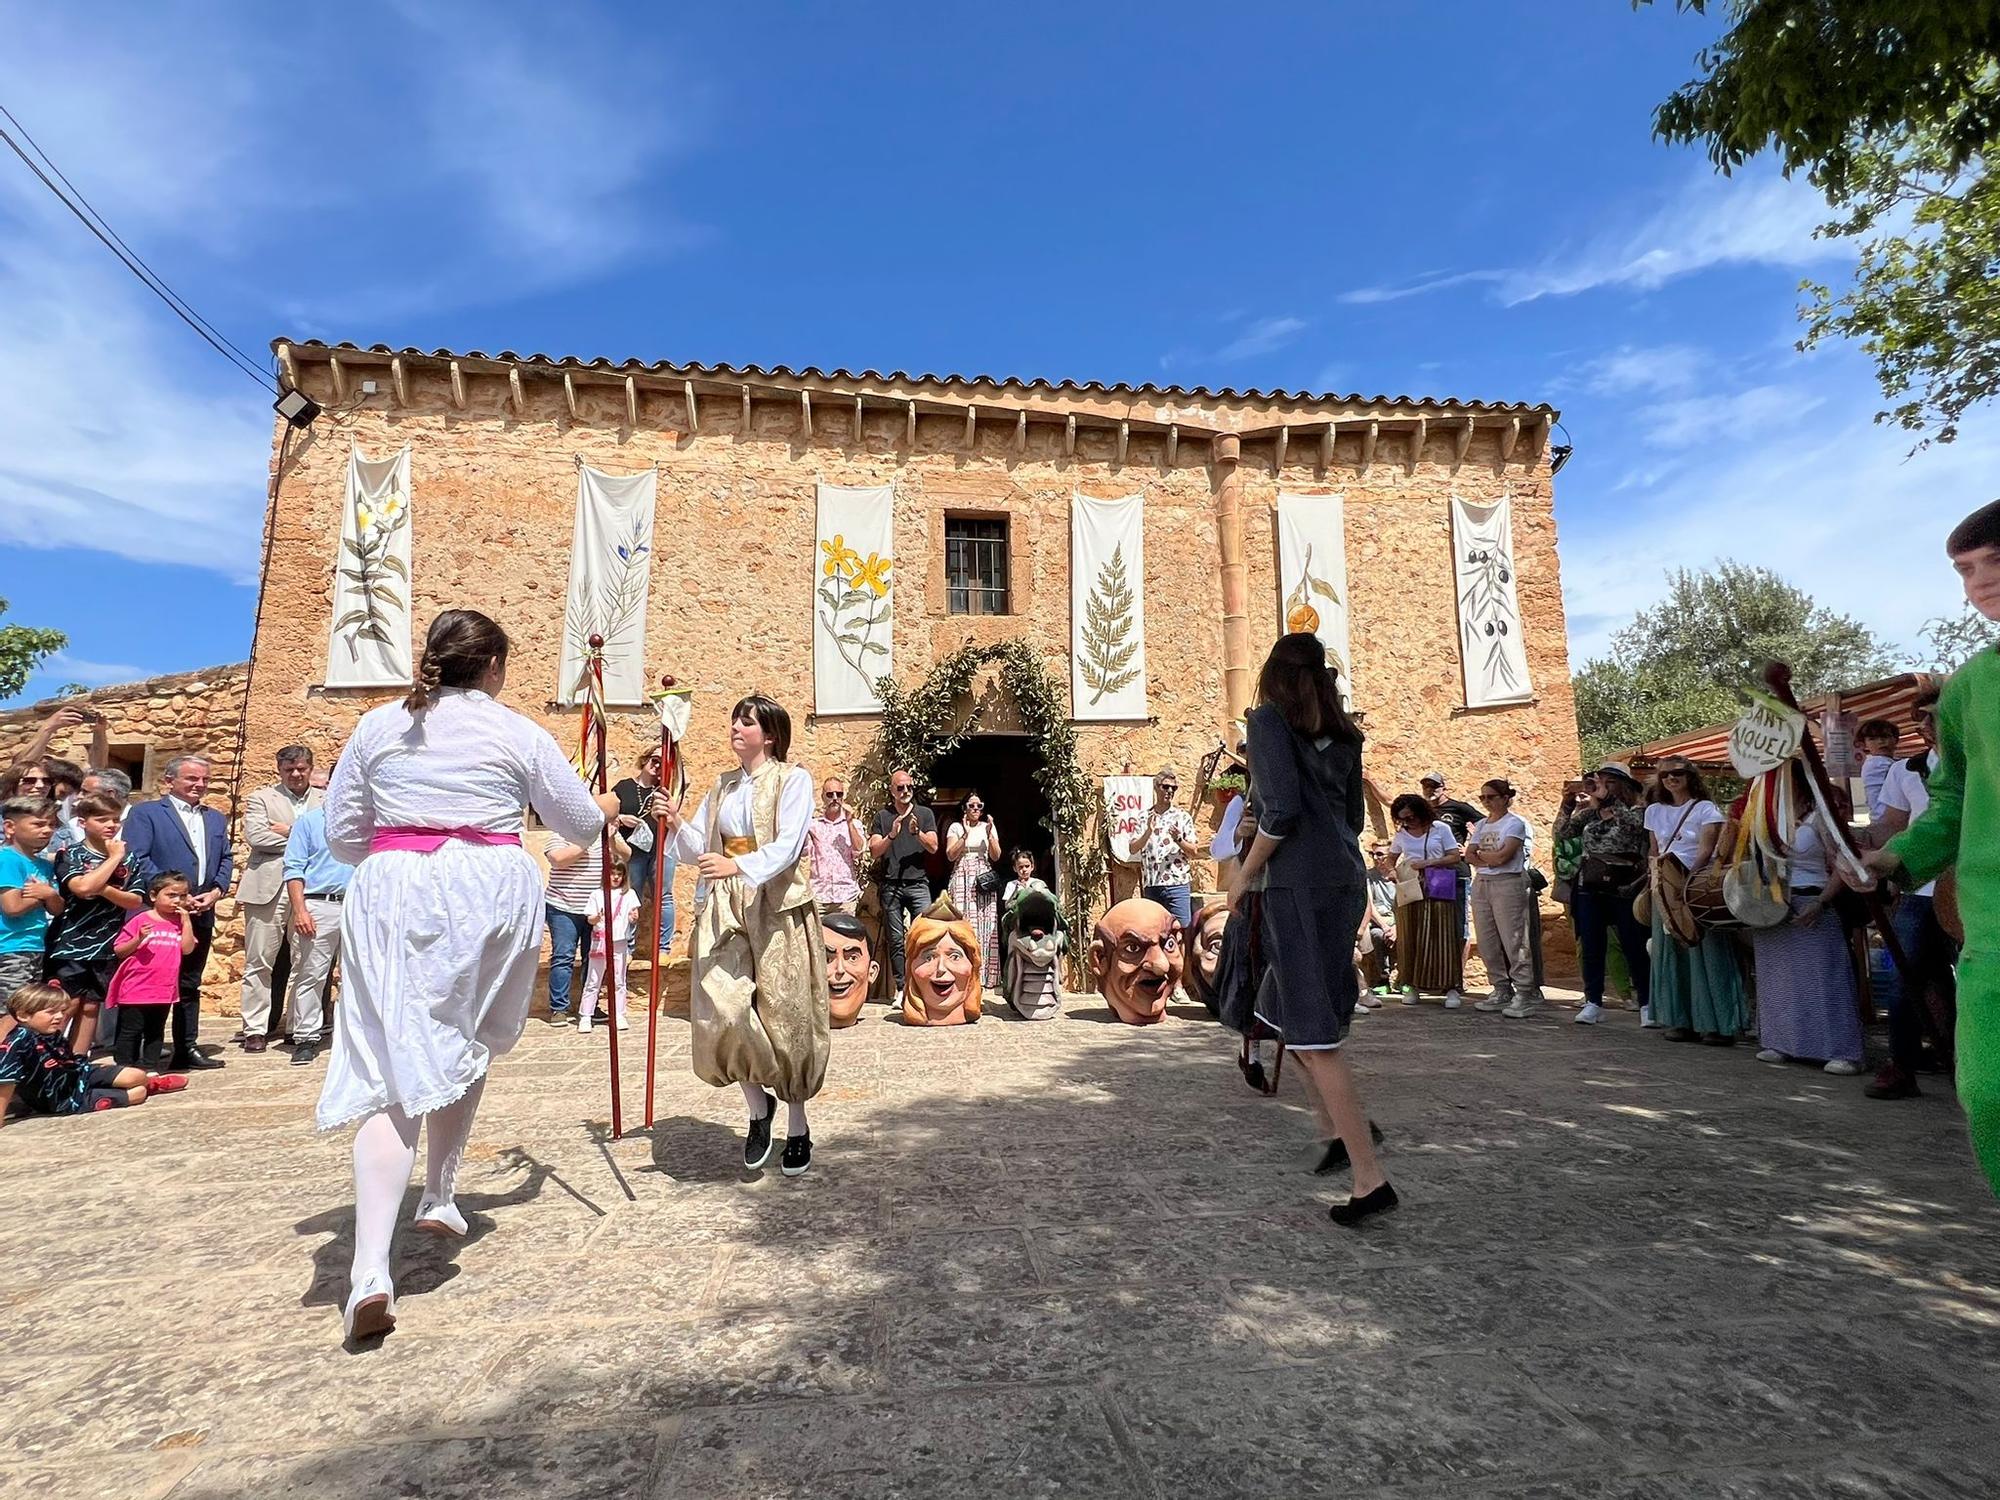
<point>1489,613</point>
<point>1768,735</point>
<point>1126,799</point>
<point>370,642</point>
<point>610,570</point>
<point>1312,575</point>
<point>854,597</point>
<point>1107,608</point>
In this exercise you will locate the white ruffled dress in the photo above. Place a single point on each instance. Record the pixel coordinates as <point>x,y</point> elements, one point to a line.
<point>438,950</point>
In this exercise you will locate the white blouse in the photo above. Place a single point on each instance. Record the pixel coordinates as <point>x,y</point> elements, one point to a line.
<point>736,820</point>
<point>465,762</point>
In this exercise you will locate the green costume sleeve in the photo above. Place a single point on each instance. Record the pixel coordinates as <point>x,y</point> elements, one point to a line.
<point>1929,846</point>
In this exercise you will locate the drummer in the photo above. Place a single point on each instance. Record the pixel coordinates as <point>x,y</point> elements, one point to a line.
<point>1698,989</point>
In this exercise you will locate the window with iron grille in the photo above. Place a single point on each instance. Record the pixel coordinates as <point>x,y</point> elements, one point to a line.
<point>975,566</point>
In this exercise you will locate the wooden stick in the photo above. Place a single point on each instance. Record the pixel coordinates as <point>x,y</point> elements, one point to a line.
<point>609,985</point>
<point>669,773</point>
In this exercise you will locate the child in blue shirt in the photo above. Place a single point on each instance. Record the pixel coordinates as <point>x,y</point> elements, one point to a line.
<point>28,894</point>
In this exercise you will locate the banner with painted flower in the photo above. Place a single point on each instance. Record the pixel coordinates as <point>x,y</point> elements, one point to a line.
<point>610,573</point>
<point>854,597</point>
<point>369,645</point>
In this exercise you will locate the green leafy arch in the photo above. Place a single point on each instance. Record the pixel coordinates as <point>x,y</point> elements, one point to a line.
<point>913,736</point>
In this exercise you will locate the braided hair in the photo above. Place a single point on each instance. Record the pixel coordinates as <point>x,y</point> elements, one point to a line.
<point>460,645</point>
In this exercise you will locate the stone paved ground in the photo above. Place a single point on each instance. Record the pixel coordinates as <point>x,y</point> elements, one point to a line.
<point>1065,1259</point>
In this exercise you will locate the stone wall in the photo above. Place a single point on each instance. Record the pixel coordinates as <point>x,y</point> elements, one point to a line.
<point>146,725</point>
<point>493,496</point>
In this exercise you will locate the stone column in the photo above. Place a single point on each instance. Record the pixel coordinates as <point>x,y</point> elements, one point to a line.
<point>1225,458</point>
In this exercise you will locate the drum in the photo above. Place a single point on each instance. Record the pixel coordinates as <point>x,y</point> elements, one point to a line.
<point>1706,902</point>
<point>1670,883</point>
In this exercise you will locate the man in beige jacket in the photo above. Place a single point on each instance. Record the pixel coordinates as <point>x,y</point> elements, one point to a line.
<point>268,815</point>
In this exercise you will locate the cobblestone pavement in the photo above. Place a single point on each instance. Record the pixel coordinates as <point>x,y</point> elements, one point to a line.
<point>1059,1259</point>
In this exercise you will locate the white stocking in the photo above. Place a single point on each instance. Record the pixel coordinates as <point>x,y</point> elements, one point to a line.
<point>445,1133</point>
<point>754,1099</point>
<point>385,1148</point>
<point>795,1117</point>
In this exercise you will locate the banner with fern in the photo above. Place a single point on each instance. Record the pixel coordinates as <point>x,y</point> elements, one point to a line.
<point>1108,608</point>
<point>369,645</point>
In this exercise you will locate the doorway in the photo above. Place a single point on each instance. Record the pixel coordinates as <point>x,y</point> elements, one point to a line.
<point>1004,769</point>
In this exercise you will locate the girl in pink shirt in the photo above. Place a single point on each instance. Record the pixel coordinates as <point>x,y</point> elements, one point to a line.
<point>148,979</point>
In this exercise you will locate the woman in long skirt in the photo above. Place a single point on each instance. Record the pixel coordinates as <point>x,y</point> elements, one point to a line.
<point>973,847</point>
<point>1808,1002</point>
<point>1698,990</point>
<point>1307,756</point>
<point>759,1006</point>
<point>440,931</point>
<point>1434,958</point>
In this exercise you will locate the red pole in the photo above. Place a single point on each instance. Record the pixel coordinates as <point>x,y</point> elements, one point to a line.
<point>665,789</point>
<point>604,845</point>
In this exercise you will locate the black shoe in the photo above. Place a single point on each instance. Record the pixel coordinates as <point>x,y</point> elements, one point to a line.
<point>757,1144</point>
<point>194,1062</point>
<point>1336,1152</point>
<point>798,1155</point>
<point>305,1054</point>
<point>1717,1039</point>
<point>1677,1034</point>
<point>1354,1210</point>
<point>1253,1074</point>
<point>254,1044</point>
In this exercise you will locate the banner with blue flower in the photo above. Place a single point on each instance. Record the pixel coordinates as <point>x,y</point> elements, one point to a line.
<point>610,572</point>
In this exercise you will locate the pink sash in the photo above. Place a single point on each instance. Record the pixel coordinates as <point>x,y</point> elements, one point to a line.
<point>427,840</point>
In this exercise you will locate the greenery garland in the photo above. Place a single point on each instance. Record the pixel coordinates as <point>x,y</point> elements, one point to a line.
<point>913,737</point>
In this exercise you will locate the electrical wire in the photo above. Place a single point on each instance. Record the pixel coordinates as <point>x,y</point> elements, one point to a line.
<point>149,279</point>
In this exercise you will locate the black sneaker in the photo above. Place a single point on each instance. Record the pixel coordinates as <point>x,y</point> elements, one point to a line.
<point>798,1155</point>
<point>1336,1152</point>
<point>304,1054</point>
<point>1354,1210</point>
<point>757,1143</point>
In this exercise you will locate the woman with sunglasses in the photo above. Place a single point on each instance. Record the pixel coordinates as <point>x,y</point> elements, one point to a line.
<point>30,779</point>
<point>972,844</point>
<point>1697,991</point>
<point>1429,953</point>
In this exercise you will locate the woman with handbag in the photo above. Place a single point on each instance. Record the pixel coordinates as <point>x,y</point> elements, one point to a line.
<point>1808,1001</point>
<point>1611,872</point>
<point>1430,955</point>
<point>1697,987</point>
<point>973,846</point>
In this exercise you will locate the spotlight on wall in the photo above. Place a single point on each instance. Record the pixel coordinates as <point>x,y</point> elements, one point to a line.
<point>297,408</point>
<point>1558,456</point>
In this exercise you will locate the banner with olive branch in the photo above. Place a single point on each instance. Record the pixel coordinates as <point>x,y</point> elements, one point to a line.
<point>369,645</point>
<point>1107,608</point>
<point>610,572</point>
<point>1312,575</point>
<point>854,598</point>
<point>1489,609</point>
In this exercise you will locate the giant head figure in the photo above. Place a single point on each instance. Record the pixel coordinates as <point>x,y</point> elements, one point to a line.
<point>1034,942</point>
<point>851,966</point>
<point>941,969</point>
<point>1204,955</point>
<point>1136,956</point>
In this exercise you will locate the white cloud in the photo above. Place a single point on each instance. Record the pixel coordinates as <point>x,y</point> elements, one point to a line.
<point>1753,413</point>
<point>1262,337</point>
<point>1708,221</point>
<point>1671,367</point>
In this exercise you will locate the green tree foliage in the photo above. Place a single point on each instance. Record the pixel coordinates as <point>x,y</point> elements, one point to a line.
<point>1678,664</point>
<point>1892,109</point>
<point>22,649</point>
<point>1956,639</point>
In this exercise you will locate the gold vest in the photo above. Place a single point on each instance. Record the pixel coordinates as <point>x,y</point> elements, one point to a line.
<point>782,892</point>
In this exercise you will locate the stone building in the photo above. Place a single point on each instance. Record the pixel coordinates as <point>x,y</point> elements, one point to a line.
<point>981,469</point>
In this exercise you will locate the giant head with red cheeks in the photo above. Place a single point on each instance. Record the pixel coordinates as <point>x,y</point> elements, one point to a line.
<point>851,966</point>
<point>1136,956</point>
<point>941,969</point>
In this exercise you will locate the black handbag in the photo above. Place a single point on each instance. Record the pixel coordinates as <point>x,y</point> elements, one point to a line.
<point>988,881</point>
<point>1602,875</point>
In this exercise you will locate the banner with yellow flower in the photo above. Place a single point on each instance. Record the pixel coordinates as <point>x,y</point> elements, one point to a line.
<point>1312,575</point>
<point>853,598</point>
<point>370,642</point>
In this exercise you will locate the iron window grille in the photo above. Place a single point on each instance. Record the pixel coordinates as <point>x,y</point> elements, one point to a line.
<point>975,566</point>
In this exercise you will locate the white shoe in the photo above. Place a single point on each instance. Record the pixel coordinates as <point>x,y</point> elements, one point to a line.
<point>371,1308</point>
<point>1490,1004</point>
<point>1646,1021</point>
<point>1590,1015</point>
<point>439,1216</point>
<point>624,1021</point>
<point>1452,999</point>
<point>585,1024</point>
<point>1520,1010</point>
<point>1842,1068</point>
<point>1409,997</point>
<point>1772,1055</point>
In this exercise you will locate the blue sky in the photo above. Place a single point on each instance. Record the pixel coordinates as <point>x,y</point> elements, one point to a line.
<point>1464,204</point>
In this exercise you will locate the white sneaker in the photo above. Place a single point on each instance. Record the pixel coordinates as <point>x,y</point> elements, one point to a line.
<point>624,1021</point>
<point>1841,1067</point>
<point>1590,1015</point>
<point>1490,1004</point>
<point>586,1023</point>
<point>1409,997</point>
<point>439,1216</point>
<point>371,1308</point>
<point>1452,999</point>
<point>1772,1055</point>
<point>1521,1009</point>
<point>1646,1021</point>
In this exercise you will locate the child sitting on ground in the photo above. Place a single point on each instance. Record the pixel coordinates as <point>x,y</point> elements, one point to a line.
<point>1876,740</point>
<point>101,886</point>
<point>28,894</point>
<point>148,982</point>
<point>624,921</point>
<point>38,1069</point>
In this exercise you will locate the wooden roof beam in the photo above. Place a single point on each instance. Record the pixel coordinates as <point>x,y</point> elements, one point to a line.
<point>1368,436</point>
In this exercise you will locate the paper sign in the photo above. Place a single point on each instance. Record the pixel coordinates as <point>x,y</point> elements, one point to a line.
<point>1126,799</point>
<point>1767,736</point>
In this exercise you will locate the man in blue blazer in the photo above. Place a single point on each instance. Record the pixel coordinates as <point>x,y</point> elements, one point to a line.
<point>177,833</point>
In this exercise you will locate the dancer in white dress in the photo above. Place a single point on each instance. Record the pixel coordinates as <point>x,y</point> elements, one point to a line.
<point>440,930</point>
